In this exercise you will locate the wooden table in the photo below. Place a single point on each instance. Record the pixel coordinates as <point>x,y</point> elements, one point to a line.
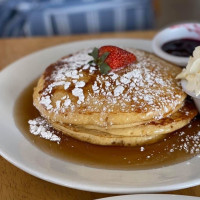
<point>16,184</point>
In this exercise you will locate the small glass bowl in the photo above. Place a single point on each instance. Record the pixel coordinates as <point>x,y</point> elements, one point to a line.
<point>195,98</point>
<point>178,31</point>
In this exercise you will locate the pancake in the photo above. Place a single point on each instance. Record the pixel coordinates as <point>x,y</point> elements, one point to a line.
<point>120,126</point>
<point>135,105</point>
<point>163,126</point>
<point>71,91</point>
<point>101,138</point>
<point>137,135</point>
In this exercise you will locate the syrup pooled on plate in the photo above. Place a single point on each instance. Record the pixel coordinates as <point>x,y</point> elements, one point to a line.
<point>177,147</point>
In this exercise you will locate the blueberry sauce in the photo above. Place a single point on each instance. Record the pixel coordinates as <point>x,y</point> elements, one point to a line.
<point>182,47</point>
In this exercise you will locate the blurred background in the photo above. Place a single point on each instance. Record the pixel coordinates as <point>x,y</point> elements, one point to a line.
<point>25,18</point>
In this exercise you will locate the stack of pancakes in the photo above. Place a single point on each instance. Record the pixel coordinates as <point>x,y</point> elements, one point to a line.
<point>135,105</point>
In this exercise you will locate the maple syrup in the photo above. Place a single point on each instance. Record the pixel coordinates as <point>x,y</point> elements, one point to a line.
<point>177,147</point>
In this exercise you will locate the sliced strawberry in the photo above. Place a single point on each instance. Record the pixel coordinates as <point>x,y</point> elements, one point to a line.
<point>117,57</point>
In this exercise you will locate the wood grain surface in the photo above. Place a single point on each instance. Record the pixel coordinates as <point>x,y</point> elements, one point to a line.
<point>16,184</point>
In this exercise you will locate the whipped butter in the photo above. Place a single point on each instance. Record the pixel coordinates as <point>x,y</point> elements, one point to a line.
<point>192,72</point>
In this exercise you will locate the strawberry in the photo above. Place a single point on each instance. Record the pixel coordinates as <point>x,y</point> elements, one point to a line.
<point>118,57</point>
<point>110,57</point>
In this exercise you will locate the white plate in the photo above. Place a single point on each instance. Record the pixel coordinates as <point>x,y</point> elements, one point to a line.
<point>19,151</point>
<point>151,197</point>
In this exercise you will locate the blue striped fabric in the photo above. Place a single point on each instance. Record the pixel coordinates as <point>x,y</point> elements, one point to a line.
<point>62,17</point>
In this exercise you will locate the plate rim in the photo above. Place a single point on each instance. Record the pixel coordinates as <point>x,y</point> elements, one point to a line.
<point>152,196</point>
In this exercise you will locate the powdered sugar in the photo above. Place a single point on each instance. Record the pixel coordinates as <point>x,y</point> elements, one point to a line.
<point>142,148</point>
<point>78,92</point>
<point>39,126</point>
<point>46,101</point>
<point>138,86</point>
<point>190,143</point>
<point>118,90</point>
<point>67,103</point>
<point>66,85</point>
<point>80,84</point>
<point>78,59</point>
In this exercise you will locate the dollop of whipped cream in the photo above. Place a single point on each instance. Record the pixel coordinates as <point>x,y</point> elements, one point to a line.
<point>192,72</point>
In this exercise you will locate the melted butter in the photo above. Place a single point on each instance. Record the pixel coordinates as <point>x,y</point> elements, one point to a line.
<point>166,152</point>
